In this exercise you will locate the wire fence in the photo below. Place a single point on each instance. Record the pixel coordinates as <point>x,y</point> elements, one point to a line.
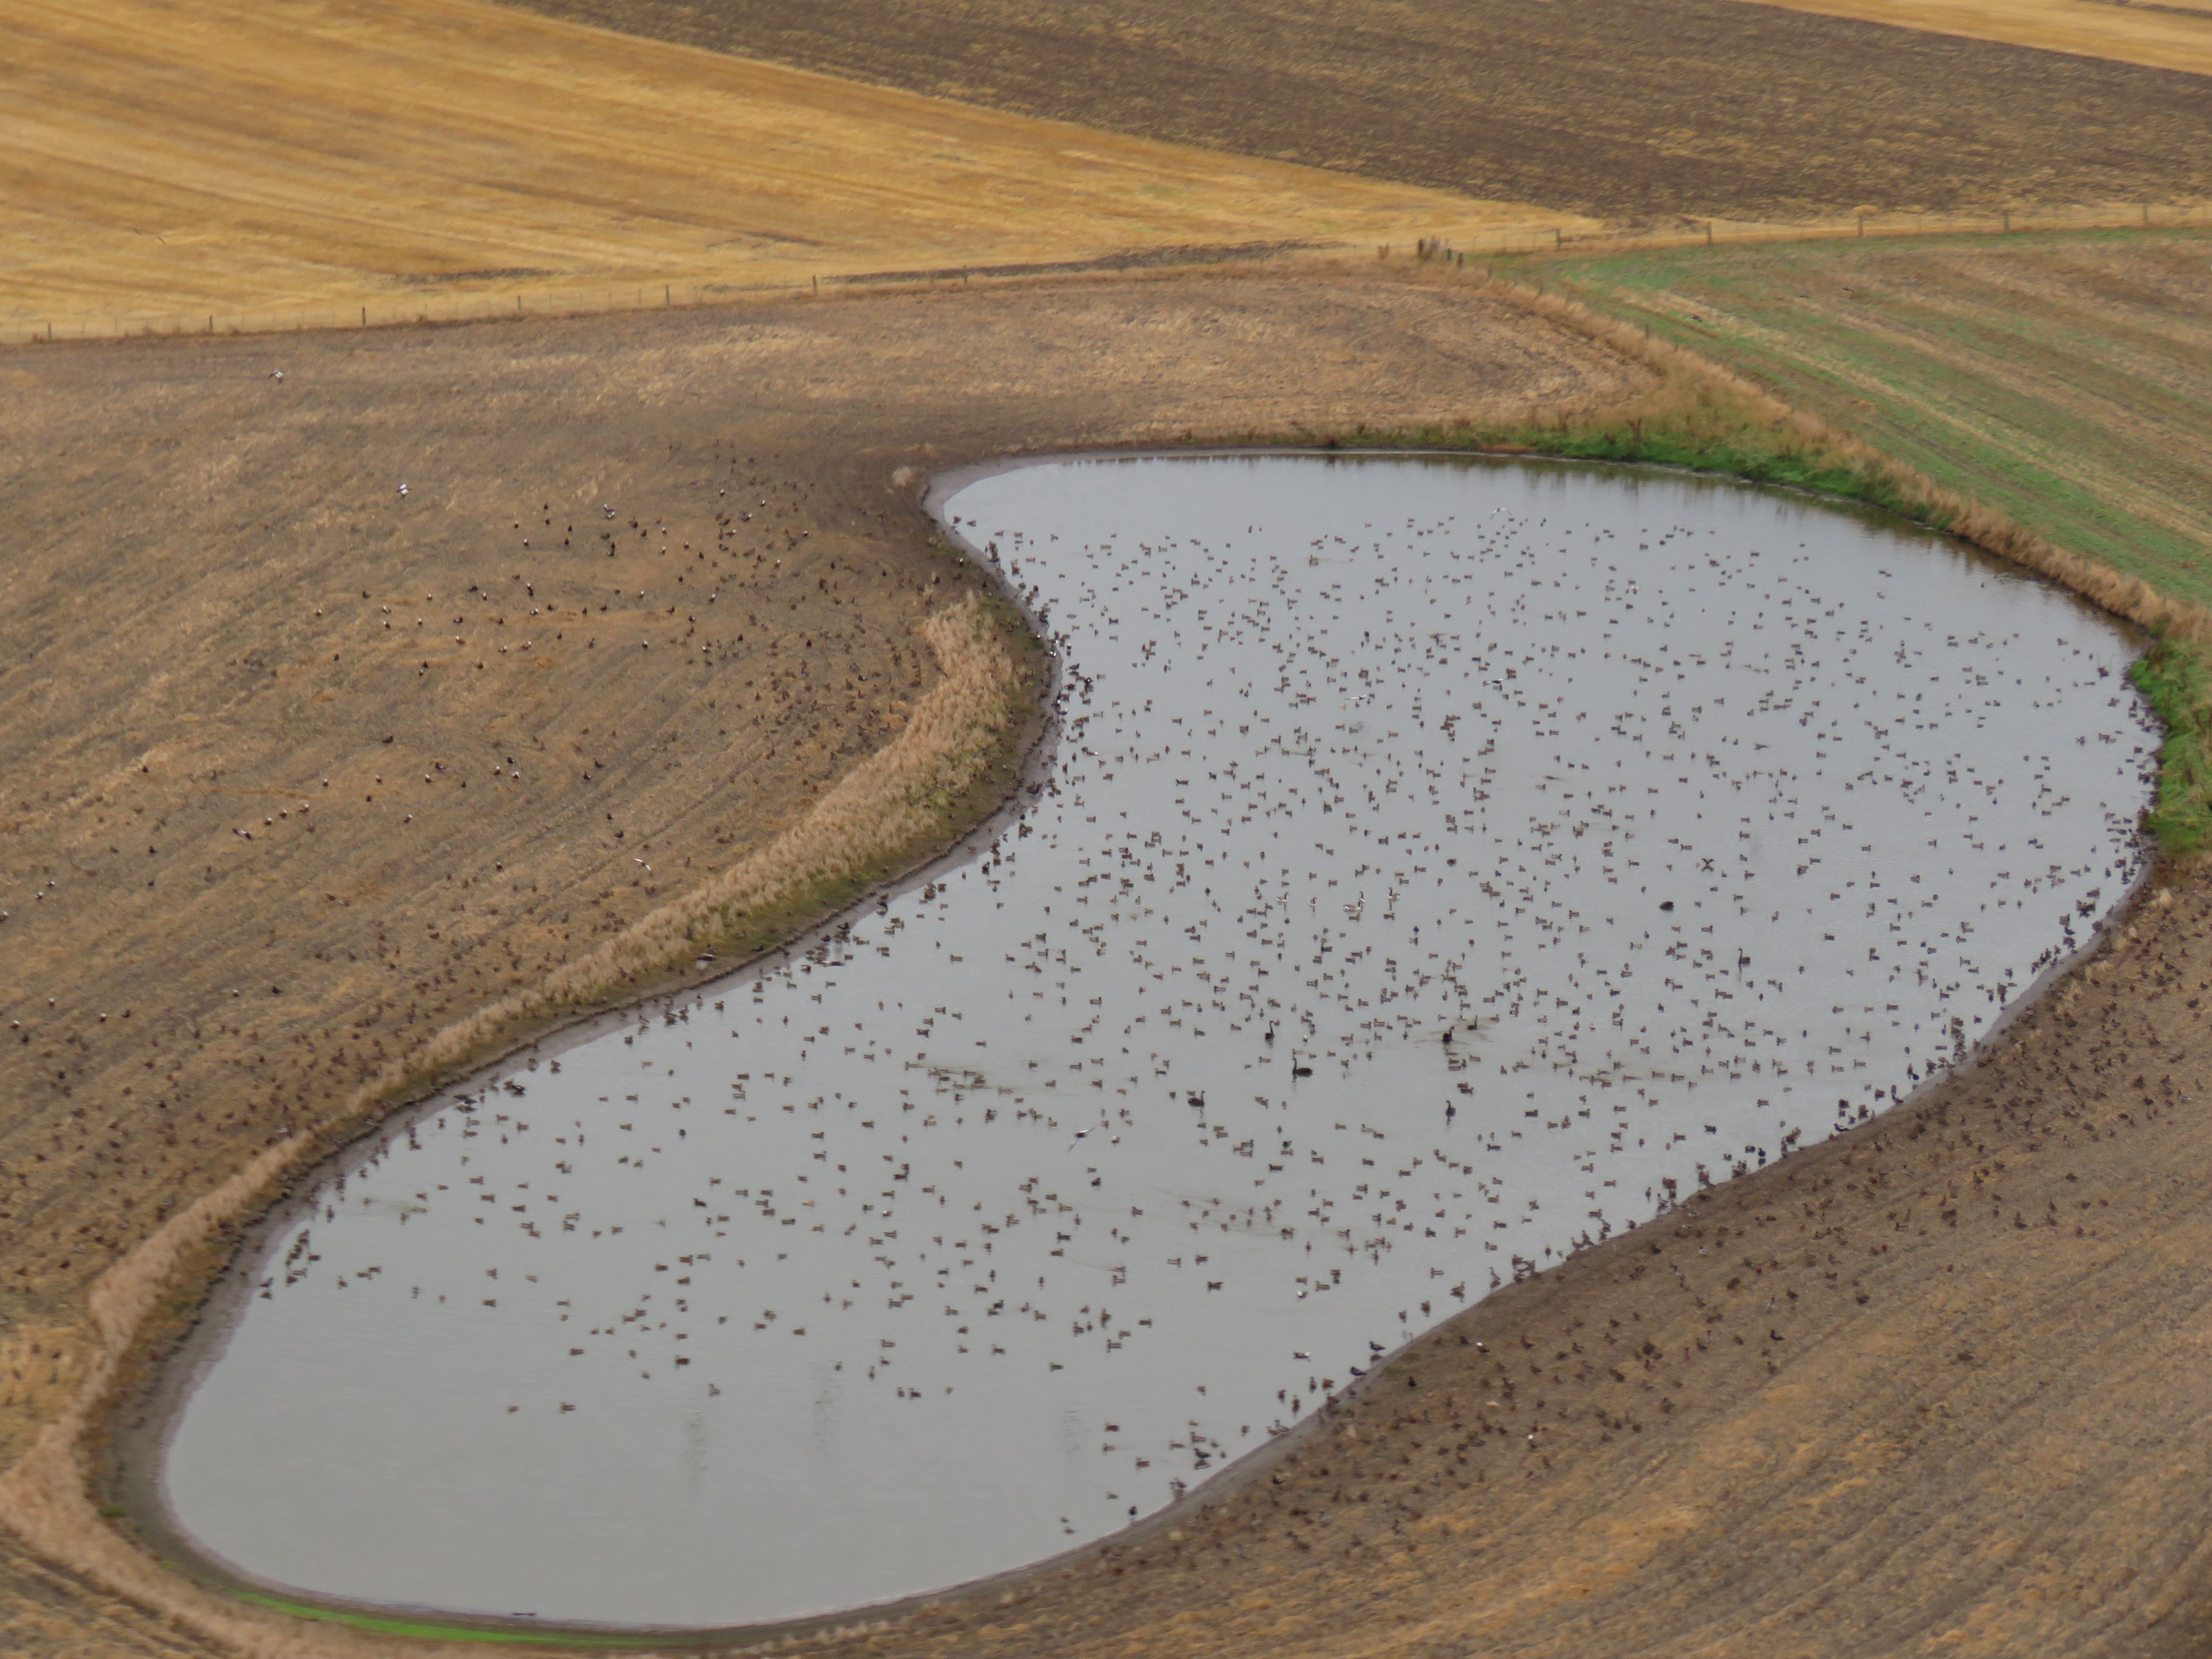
<point>425,306</point>
<point>1711,232</point>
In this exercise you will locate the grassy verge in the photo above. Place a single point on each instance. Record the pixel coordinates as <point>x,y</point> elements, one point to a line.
<point>431,1631</point>
<point>2176,679</point>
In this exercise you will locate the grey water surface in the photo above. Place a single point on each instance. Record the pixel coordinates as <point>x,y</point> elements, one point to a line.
<point>1442,864</point>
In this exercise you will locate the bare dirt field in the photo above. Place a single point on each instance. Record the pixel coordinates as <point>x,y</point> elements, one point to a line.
<point>303,768</point>
<point>1621,109</point>
<point>260,164</point>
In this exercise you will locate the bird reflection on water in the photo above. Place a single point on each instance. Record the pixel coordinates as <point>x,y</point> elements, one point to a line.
<point>1440,866</point>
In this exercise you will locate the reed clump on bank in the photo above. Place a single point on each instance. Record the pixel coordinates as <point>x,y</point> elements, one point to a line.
<point>1702,416</point>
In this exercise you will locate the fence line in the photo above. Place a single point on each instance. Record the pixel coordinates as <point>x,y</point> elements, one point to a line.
<point>408,311</point>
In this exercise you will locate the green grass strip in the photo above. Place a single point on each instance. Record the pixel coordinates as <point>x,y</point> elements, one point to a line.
<point>2176,679</point>
<point>431,1631</point>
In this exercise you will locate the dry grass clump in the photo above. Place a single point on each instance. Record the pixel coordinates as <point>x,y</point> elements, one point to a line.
<point>891,806</point>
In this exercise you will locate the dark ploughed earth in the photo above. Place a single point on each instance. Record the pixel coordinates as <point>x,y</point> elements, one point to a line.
<point>1628,109</point>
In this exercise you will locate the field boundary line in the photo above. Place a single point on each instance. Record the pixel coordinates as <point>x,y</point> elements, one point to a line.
<point>603,299</point>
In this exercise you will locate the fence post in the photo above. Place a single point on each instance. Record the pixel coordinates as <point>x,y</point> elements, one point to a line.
<point>1709,233</point>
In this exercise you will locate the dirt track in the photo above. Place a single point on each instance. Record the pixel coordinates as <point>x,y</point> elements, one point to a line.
<point>1616,108</point>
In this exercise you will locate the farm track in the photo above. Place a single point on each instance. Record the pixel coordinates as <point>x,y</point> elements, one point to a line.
<point>1619,109</point>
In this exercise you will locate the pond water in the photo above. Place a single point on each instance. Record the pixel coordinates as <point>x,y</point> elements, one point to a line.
<point>1441,864</point>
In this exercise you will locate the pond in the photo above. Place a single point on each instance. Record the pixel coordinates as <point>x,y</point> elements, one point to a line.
<point>1439,865</point>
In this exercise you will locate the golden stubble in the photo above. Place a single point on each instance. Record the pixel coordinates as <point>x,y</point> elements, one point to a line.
<point>2162,36</point>
<point>237,163</point>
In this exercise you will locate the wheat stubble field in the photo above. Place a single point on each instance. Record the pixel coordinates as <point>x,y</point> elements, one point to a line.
<point>2162,36</point>
<point>269,164</point>
<point>1931,1386</point>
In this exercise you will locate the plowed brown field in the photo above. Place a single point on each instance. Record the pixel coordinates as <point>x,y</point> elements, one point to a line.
<point>1616,108</point>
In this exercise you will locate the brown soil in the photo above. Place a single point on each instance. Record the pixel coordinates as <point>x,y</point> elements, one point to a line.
<point>1617,108</point>
<point>301,771</point>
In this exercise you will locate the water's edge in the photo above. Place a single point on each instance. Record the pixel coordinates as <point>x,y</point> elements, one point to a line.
<point>137,1444</point>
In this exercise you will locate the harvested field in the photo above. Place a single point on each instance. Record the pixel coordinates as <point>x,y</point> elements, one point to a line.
<point>303,770</point>
<point>2153,33</point>
<point>265,165</point>
<point>2065,379</point>
<point>1616,108</point>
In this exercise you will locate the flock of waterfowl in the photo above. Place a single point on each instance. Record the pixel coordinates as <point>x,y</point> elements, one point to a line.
<point>1435,865</point>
